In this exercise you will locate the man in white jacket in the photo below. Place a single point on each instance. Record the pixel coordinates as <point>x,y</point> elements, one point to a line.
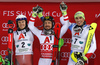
<point>46,36</point>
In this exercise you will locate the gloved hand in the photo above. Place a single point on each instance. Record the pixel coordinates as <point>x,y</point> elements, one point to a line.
<point>84,58</point>
<point>80,62</point>
<point>35,10</point>
<point>6,61</point>
<point>40,10</point>
<point>76,56</point>
<point>63,8</point>
<point>79,56</point>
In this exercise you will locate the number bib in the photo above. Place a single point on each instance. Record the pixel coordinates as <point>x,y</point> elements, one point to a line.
<point>23,47</point>
<point>77,44</point>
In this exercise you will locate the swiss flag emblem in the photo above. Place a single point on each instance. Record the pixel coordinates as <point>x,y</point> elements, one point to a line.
<point>21,36</point>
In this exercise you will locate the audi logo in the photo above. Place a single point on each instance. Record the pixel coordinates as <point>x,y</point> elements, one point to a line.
<point>46,47</point>
<point>4,43</point>
<point>65,54</point>
<point>67,40</point>
<point>3,52</point>
<point>4,25</point>
<point>4,39</point>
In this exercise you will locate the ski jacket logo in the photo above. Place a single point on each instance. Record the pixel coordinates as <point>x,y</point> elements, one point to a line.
<point>21,36</point>
<point>90,28</point>
<point>77,33</point>
<point>47,40</point>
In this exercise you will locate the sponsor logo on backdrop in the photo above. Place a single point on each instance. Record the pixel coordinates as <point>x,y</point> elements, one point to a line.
<point>3,52</point>
<point>93,56</point>
<point>29,13</point>
<point>67,41</point>
<point>4,40</point>
<point>65,55</point>
<point>5,27</point>
<point>97,15</point>
<point>15,13</point>
<point>55,14</point>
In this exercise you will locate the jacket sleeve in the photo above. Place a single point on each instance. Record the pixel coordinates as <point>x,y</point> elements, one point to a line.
<point>65,22</point>
<point>31,26</point>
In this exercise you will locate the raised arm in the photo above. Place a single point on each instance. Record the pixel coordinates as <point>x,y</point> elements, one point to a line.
<point>64,19</point>
<point>32,21</point>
